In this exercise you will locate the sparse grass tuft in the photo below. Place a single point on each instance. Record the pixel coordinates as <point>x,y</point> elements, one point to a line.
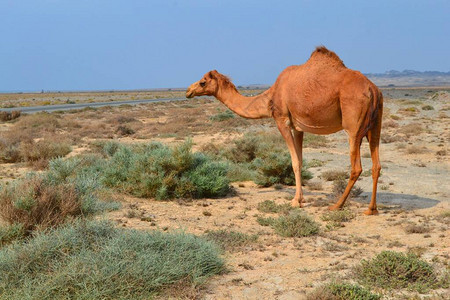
<point>314,140</point>
<point>314,163</point>
<point>411,129</point>
<point>444,217</point>
<point>315,185</point>
<point>265,221</point>
<point>295,224</point>
<point>391,269</point>
<point>230,240</point>
<point>121,263</point>
<point>414,228</point>
<point>222,116</point>
<point>415,150</point>
<point>339,186</point>
<point>270,206</point>
<point>333,175</point>
<point>342,291</point>
<point>427,107</point>
<point>344,215</point>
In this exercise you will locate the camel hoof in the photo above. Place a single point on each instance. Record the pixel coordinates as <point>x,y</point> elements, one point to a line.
<point>334,207</point>
<point>371,212</point>
<point>297,203</point>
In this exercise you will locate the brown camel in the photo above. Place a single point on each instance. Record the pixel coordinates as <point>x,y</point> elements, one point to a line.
<point>321,96</point>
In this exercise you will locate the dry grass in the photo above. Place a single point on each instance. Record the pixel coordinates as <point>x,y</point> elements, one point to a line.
<point>314,185</point>
<point>333,175</point>
<point>414,228</point>
<point>390,124</point>
<point>411,129</point>
<point>37,204</point>
<point>8,116</point>
<point>415,150</point>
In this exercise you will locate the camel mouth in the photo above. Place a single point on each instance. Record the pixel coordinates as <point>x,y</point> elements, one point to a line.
<point>189,94</point>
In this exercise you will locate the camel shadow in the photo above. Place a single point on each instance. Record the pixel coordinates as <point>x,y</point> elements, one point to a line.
<point>398,201</point>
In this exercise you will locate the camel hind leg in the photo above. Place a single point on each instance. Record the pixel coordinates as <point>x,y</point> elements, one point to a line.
<point>355,159</point>
<point>374,143</point>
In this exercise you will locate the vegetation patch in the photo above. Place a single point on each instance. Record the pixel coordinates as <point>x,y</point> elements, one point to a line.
<point>342,291</point>
<point>314,140</point>
<point>263,221</point>
<point>8,116</point>
<point>10,233</point>
<point>261,157</point>
<point>269,206</point>
<point>333,175</point>
<point>335,218</point>
<point>155,170</point>
<point>222,116</point>
<point>121,263</point>
<point>49,199</point>
<point>391,269</point>
<point>427,107</point>
<point>343,215</point>
<point>276,168</point>
<point>295,224</point>
<point>414,228</point>
<point>230,240</point>
<point>339,186</point>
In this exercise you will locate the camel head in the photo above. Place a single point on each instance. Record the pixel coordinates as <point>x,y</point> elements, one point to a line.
<point>207,86</point>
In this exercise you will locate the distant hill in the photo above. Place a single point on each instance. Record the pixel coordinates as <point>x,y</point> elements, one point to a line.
<point>410,78</point>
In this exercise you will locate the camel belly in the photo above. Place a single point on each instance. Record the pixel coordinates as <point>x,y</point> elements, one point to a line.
<point>320,116</point>
<point>316,129</point>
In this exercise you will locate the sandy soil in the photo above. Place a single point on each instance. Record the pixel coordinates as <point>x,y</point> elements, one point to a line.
<point>413,189</point>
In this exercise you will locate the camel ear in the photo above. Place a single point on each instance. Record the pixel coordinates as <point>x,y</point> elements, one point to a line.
<point>212,74</point>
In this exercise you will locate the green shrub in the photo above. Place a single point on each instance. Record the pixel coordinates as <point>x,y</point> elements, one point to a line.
<point>391,269</point>
<point>155,170</point>
<point>343,215</point>
<point>10,233</point>
<point>265,221</point>
<point>94,260</point>
<point>342,291</point>
<point>244,149</point>
<point>110,148</point>
<point>339,186</point>
<point>240,172</point>
<point>277,168</point>
<point>295,224</point>
<point>230,240</point>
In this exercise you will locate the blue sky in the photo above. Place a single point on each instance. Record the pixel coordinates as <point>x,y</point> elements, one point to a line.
<point>133,44</point>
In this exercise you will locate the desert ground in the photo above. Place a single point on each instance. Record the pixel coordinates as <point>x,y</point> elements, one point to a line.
<point>413,190</point>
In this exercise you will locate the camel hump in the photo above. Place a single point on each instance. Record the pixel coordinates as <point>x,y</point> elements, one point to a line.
<point>322,52</point>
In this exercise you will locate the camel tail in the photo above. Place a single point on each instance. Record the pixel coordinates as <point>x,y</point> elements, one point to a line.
<point>376,100</point>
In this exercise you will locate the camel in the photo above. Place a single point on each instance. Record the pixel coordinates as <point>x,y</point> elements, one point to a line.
<point>322,96</point>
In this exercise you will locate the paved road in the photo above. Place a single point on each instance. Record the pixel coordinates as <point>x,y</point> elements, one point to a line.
<point>49,108</point>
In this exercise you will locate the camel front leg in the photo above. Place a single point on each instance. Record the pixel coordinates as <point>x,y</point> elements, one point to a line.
<point>294,143</point>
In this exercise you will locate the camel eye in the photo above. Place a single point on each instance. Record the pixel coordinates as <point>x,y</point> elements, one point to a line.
<point>202,84</point>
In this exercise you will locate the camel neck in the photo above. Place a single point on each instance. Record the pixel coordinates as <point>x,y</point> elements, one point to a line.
<point>256,107</point>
